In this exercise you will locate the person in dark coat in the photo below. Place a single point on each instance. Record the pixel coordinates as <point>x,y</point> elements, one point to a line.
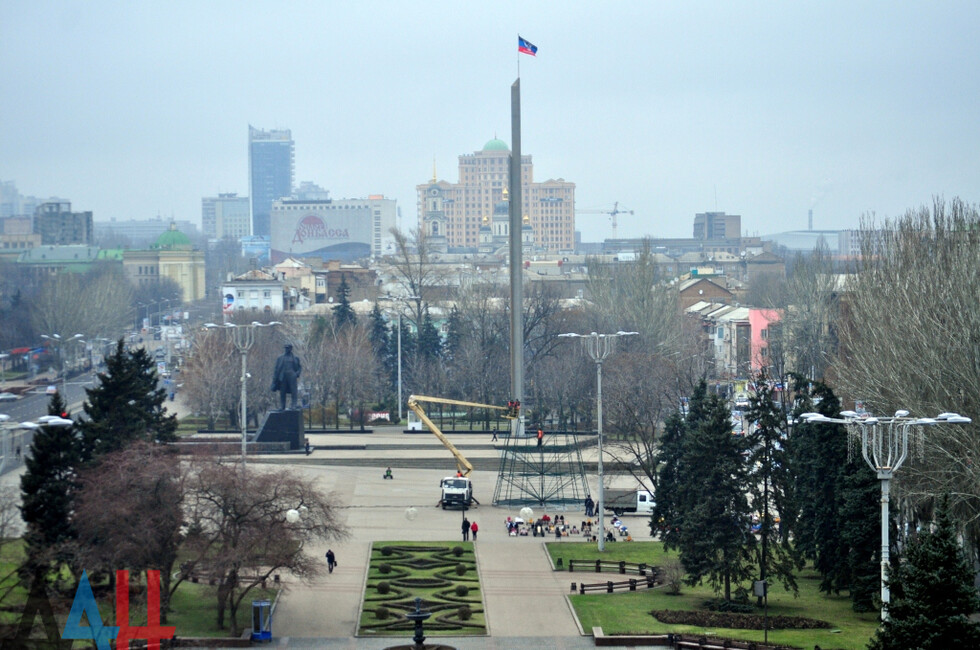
<point>466,529</point>
<point>331,560</point>
<point>285,376</point>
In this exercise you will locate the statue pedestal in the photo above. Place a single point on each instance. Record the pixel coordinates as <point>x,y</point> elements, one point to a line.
<point>283,426</point>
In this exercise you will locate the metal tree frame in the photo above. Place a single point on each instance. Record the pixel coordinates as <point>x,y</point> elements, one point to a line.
<point>550,475</point>
<point>885,447</point>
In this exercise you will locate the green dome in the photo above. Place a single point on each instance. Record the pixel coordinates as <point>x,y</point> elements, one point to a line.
<point>496,145</point>
<point>173,239</point>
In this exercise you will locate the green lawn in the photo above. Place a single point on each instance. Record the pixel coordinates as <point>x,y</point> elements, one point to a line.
<point>425,570</point>
<point>629,612</point>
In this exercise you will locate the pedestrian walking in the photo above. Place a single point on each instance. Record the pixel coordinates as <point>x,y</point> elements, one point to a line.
<point>589,505</point>
<point>494,439</point>
<point>473,529</point>
<point>331,560</point>
<point>540,436</point>
<point>466,528</point>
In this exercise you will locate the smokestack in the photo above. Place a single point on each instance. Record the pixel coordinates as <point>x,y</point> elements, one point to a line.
<point>809,219</point>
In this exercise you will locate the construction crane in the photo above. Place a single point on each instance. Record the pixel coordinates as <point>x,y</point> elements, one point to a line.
<point>463,466</point>
<point>612,213</point>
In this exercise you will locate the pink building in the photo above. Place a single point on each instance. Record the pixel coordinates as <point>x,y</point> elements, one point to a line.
<point>759,323</point>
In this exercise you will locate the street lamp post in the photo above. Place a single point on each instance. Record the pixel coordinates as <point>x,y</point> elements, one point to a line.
<point>885,446</point>
<point>57,340</point>
<point>243,336</point>
<point>599,347</point>
<point>404,298</point>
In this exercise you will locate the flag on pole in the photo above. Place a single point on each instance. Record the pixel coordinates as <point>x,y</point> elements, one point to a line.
<point>527,47</point>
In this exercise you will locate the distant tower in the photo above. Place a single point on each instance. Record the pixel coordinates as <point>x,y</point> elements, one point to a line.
<point>270,173</point>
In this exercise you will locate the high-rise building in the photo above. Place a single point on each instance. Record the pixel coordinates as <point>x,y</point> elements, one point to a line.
<point>455,211</point>
<point>59,226</point>
<point>717,225</point>
<point>225,216</point>
<point>270,173</point>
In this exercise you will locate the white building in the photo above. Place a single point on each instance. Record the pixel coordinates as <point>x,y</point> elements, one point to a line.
<point>254,291</point>
<point>344,229</point>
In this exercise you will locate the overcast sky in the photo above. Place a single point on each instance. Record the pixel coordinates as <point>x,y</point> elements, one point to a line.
<point>763,109</point>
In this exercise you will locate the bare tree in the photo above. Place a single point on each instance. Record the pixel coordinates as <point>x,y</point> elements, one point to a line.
<point>413,268</point>
<point>129,514</point>
<point>909,340</point>
<point>211,376</point>
<point>10,524</point>
<point>242,527</point>
<point>95,304</point>
<point>807,335</point>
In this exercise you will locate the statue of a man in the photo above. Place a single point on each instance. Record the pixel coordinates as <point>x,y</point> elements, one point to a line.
<point>285,375</point>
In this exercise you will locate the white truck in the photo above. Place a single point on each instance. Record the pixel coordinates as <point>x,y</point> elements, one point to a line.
<point>628,501</point>
<point>457,491</point>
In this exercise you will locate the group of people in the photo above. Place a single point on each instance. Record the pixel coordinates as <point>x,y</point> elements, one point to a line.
<point>469,527</point>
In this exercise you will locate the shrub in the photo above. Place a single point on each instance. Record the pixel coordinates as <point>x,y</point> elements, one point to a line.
<point>384,568</point>
<point>462,590</point>
<point>381,613</point>
<point>734,606</point>
<point>672,573</point>
<point>383,587</point>
<point>460,569</point>
<point>457,550</point>
<point>387,550</point>
<point>464,613</point>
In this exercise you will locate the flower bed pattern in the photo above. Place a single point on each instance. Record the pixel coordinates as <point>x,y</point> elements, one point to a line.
<point>428,571</point>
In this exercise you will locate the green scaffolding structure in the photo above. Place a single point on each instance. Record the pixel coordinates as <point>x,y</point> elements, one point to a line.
<point>552,475</point>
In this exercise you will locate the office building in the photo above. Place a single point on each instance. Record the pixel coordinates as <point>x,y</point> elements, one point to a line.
<point>456,211</point>
<point>270,173</point>
<point>717,225</point>
<point>225,216</point>
<point>138,233</point>
<point>59,226</point>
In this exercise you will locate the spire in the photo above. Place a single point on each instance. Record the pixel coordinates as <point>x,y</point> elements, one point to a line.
<point>434,169</point>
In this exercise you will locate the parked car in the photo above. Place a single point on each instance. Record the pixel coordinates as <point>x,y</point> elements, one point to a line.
<point>8,397</point>
<point>51,389</point>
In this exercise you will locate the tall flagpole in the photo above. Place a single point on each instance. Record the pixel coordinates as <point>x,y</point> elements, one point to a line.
<point>516,263</point>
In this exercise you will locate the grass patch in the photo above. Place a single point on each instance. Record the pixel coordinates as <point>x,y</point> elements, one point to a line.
<point>432,571</point>
<point>629,612</point>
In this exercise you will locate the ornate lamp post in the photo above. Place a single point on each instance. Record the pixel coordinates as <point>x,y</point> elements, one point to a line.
<point>598,347</point>
<point>885,446</point>
<point>243,336</point>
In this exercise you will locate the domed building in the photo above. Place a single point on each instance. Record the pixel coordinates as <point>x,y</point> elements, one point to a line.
<point>453,213</point>
<point>172,256</point>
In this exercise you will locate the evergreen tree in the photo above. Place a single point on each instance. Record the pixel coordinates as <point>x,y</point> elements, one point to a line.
<point>836,500</point>
<point>48,488</point>
<point>125,405</point>
<point>932,595</point>
<point>714,536</point>
<point>380,336</point>
<point>454,333</point>
<point>429,343</point>
<point>343,313</point>
<point>667,481</point>
<point>772,483</point>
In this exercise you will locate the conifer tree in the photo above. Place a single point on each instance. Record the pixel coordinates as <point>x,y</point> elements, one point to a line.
<point>429,343</point>
<point>343,313</point>
<point>932,594</point>
<point>771,481</point>
<point>667,482</point>
<point>48,488</point>
<point>125,405</point>
<point>714,536</point>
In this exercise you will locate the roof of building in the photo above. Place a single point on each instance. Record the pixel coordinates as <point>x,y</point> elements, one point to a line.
<point>496,145</point>
<point>173,239</point>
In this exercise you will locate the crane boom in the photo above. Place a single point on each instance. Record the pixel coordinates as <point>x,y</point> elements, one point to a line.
<point>462,465</point>
<point>612,213</point>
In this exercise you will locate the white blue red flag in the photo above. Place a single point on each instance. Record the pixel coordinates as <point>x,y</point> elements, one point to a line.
<point>527,47</point>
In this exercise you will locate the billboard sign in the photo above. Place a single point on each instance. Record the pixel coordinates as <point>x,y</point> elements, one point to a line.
<point>331,234</point>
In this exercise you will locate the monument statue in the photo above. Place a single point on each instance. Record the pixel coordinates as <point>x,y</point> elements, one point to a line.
<point>285,375</point>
